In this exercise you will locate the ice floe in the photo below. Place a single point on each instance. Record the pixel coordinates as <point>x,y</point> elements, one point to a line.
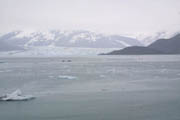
<point>1,71</point>
<point>67,77</point>
<point>102,76</point>
<point>16,96</point>
<point>51,76</point>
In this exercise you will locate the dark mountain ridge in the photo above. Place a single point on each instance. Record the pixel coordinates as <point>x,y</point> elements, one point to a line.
<point>161,46</point>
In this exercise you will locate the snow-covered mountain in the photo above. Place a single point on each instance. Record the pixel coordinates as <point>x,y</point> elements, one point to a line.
<point>147,39</point>
<point>19,40</point>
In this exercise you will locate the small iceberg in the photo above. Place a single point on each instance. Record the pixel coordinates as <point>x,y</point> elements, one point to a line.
<point>102,76</point>
<point>67,77</point>
<point>16,96</point>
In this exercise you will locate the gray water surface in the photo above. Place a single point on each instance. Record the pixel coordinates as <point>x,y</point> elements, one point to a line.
<point>94,88</point>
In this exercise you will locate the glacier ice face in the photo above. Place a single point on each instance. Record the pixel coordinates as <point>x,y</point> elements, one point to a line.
<point>52,51</point>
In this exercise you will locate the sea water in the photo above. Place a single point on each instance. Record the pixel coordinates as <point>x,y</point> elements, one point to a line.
<point>92,88</point>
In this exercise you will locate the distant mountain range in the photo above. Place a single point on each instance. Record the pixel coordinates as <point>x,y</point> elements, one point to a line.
<point>20,40</point>
<point>161,46</point>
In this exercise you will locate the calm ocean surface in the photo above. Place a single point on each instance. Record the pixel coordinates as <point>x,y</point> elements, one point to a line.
<point>92,88</point>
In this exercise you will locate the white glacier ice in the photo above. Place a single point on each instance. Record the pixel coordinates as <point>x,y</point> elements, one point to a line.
<point>53,51</point>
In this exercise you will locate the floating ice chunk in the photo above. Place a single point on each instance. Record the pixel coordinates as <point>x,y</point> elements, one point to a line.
<point>5,70</point>
<point>113,70</point>
<point>51,76</point>
<point>67,77</point>
<point>163,70</point>
<point>102,76</point>
<point>16,96</point>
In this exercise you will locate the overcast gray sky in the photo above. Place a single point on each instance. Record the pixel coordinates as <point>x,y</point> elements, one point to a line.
<point>106,16</point>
